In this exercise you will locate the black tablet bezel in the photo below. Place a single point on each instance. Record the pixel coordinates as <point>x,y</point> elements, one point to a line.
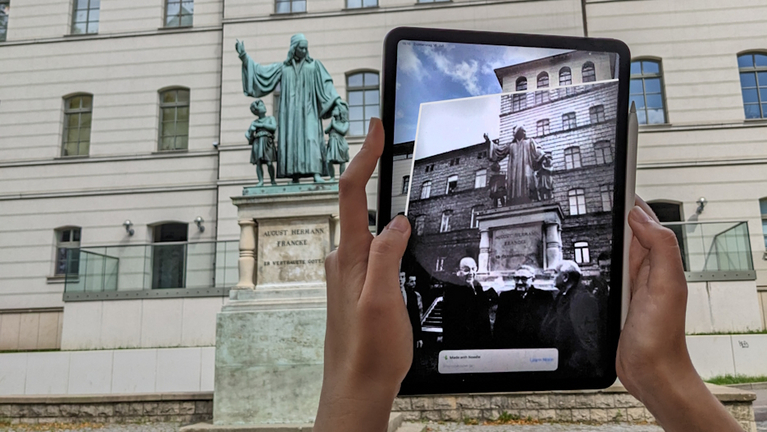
<point>516,381</point>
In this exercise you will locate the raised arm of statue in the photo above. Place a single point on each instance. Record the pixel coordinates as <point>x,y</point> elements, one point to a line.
<point>257,79</point>
<point>498,150</point>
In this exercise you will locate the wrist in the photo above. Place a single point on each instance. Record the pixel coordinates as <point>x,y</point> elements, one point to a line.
<point>352,405</point>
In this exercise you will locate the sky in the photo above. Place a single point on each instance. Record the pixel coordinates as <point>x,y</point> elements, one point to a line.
<point>436,71</point>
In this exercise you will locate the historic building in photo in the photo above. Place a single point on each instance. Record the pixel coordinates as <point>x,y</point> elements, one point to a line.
<point>122,143</point>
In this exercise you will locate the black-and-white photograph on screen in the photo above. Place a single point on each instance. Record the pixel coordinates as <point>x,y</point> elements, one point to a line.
<point>510,200</point>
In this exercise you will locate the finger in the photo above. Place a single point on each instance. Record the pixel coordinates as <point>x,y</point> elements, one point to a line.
<point>661,243</point>
<point>638,201</point>
<point>382,279</point>
<point>353,200</point>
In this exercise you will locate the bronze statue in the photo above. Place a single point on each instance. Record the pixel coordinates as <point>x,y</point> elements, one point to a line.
<point>260,136</point>
<point>307,96</point>
<point>338,148</point>
<point>524,159</point>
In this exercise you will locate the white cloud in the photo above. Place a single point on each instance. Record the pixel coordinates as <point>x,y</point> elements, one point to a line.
<point>409,62</point>
<point>464,72</point>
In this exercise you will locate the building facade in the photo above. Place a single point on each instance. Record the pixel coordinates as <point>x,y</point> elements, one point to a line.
<point>121,143</point>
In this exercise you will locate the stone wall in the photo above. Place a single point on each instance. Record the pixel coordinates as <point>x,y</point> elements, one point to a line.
<point>177,407</point>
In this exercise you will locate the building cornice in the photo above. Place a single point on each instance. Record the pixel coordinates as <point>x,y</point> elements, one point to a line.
<point>745,124</point>
<point>108,191</point>
<point>699,164</point>
<point>81,38</point>
<point>100,159</point>
<point>374,10</point>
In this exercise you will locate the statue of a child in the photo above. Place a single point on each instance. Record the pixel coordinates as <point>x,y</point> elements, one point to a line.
<point>337,151</point>
<point>260,136</point>
<point>545,183</point>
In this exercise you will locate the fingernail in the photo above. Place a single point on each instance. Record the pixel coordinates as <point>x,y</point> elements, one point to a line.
<point>639,215</point>
<point>373,125</point>
<point>401,213</point>
<point>399,223</point>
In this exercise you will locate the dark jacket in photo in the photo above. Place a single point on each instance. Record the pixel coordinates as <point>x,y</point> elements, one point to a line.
<point>466,316</point>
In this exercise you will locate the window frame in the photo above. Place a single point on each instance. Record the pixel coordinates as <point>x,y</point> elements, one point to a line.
<point>362,5</point>
<point>88,23</point>
<point>363,89</point>
<point>519,100</point>
<point>580,205</point>
<point>426,189</point>
<point>480,176</point>
<point>70,246</point>
<point>569,121</point>
<point>451,179</point>
<point>79,112</point>
<point>565,70</point>
<point>579,247</point>
<point>474,210</point>
<point>592,69</point>
<point>544,126</point>
<point>405,184</point>
<point>444,225</point>
<point>180,15</point>
<point>755,70</point>
<point>5,16</point>
<point>175,105</point>
<point>763,211</point>
<point>642,76</point>
<point>606,191</point>
<point>291,11</point>
<point>573,153</point>
<point>600,151</point>
<point>597,111</point>
<point>419,225</point>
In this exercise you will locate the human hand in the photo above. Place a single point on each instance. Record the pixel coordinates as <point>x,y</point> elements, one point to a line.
<point>652,360</point>
<point>368,340</point>
<point>240,47</point>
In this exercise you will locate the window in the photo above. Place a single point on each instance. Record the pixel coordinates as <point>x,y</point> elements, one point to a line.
<point>452,184</point>
<point>67,251</point>
<point>573,157</point>
<point>482,154</point>
<point>542,83</point>
<point>85,17</point>
<point>582,252</point>
<point>174,119</point>
<point>357,4</point>
<point>753,84</point>
<point>429,168</point>
<point>519,101</point>
<point>588,72</point>
<point>290,6</point>
<point>568,121</point>
<point>405,184</point>
<point>607,197</point>
<point>5,10</point>
<point>646,91</point>
<point>426,190</point>
<point>577,198</point>
<point>480,179</point>
<point>179,13</point>
<point>440,264</point>
<point>77,125</point>
<point>474,211</point>
<point>362,95</point>
<point>169,260</point>
<point>604,152</point>
<point>763,208</point>
<point>454,162</point>
<point>543,127</point>
<point>420,221</point>
<point>445,225</point>
<point>597,114</point>
<point>565,76</point>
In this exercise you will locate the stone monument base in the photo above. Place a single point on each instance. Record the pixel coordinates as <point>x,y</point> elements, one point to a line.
<point>395,421</point>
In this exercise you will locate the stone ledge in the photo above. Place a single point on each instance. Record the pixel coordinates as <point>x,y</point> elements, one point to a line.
<point>106,398</point>
<point>749,386</point>
<point>395,422</point>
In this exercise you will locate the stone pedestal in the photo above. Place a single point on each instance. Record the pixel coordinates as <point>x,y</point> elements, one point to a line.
<point>270,336</point>
<point>525,234</point>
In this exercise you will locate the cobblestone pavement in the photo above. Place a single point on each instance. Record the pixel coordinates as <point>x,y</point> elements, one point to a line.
<point>91,427</point>
<point>453,427</point>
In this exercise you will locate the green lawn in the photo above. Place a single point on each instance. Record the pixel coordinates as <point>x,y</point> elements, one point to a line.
<point>736,379</point>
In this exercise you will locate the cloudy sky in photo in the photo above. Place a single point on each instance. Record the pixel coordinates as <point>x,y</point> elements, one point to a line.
<point>436,71</point>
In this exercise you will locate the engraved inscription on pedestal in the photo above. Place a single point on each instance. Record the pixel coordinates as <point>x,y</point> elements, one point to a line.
<point>292,251</point>
<point>517,245</point>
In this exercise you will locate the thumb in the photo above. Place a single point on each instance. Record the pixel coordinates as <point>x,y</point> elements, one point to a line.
<point>386,251</point>
<point>659,240</point>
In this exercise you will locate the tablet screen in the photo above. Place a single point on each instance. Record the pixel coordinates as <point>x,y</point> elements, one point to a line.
<point>504,162</point>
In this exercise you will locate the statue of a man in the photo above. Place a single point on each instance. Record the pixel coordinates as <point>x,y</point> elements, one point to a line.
<point>307,96</point>
<point>524,160</point>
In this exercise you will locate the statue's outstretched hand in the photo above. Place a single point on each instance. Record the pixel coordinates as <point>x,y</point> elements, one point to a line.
<point>240,47</point>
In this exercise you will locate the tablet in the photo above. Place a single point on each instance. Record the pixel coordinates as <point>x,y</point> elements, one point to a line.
<point>508,154</point>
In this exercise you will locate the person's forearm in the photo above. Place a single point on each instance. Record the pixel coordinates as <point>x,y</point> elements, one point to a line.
<point>343,409</point>
<point>684,403</point>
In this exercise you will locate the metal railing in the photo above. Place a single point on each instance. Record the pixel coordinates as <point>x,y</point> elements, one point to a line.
<point>715,251</point>
<point>177,265</point>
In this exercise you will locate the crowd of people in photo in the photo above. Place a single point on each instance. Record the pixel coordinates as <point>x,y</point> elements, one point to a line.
<point>569,314</point>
